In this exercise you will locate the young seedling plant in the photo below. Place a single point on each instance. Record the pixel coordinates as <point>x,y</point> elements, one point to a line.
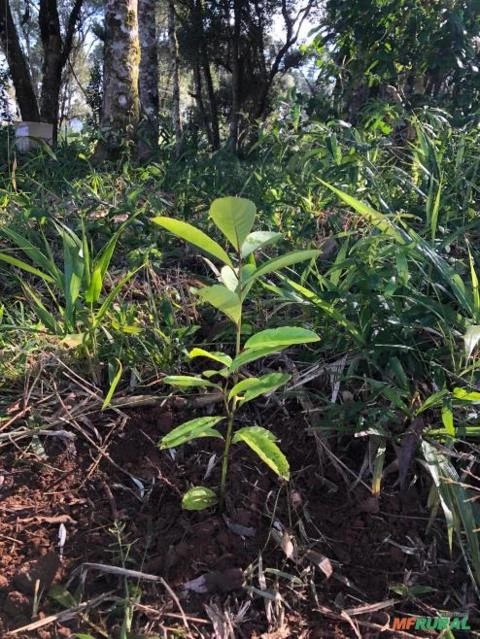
<point>235,218</point>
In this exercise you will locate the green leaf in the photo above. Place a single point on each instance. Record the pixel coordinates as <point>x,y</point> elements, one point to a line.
<point>229,278</point>
<point>447,420</point>
<point>216,356</point>
<point>45,316</point>
<point>193,235</point>
<point>234,216</point>
<point>223,299</point>
<point>281,337</point>
<point>199,498</point>
<point>94,289</point>
<point>193,429</point>
<point>13,261</point>
<point>62,596</point>
<point>375,218</point>
<point>257,240</point>
<point>255,386</point>
<point>250,355</point>
<point>278,263</point>
<point>187,381</point>
<point>45,262</point>
<point>262,442</point>
<point>114,384</point>
<point>468,396</point>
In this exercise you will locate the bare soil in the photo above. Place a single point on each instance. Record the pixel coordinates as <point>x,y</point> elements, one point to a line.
<point>283,560</point>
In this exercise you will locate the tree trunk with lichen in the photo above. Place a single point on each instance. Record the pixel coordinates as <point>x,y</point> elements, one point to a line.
<point>174,55</point>
<point>148,78</point>
<point>121,104</point>
<point>18,65</point>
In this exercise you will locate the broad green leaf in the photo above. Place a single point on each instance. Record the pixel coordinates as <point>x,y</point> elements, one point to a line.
<point>250,355</point>
<point>13,261</point>
<point>224,300</point>
<point>94,289</point>
<point>229,278</point>
<point>242,386</point>
<point>471,339</point>
<point>447,420</point>
<point>282,261</point>
<point>281,337</point>
<point>216,356</point>
<point>468,396</point>
<point>257,240</point>
<point>113,386</point>
<point>234,216</point>
<point>193,235</point>
<point>262,442</point>
<point>255,386</point>
<point>199,498</point>
<point>193,429</point>
<point>375,218</point>
<point>187,381</point>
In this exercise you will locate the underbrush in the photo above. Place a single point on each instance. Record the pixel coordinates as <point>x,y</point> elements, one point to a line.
<point>90,286</point>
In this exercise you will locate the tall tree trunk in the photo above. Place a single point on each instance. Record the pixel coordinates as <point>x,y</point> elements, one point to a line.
<point>17,64</point>
<point>202,62</point>
<point>212,100</point>
<point>197,81</point>
<point>235,104</point>
<point>121,104</point>
<point>49,22</point>
<point>148,80</point>
<point>173,45</point>
<point>56,51</point>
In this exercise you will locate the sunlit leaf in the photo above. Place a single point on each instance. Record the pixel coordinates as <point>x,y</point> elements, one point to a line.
<point>223,299</point>
<point>281,337</point>
<point>468,396</point>
<point>253,387</point>
<point>234,216</point>
<point>199,498</point>
<point>471,339</point>
<point>277,263</point>
<point>216,356</point>
<point>262,442</point>
<point>187,381</point>
<point>228,278</point>
<point>257,240</point>
<point>250,355</point>
<point>193,235</point>
<point>193,429</point>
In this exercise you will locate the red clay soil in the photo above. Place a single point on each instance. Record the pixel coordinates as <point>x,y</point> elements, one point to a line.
<point>299,532</point>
